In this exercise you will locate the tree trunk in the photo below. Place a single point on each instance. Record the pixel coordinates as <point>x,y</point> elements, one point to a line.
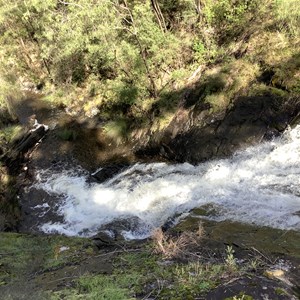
<point>198,6</point>
<point>159,15</point>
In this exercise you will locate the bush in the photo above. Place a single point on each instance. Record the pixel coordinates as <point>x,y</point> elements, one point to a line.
<point>229,17</point>
<point>287,14</point>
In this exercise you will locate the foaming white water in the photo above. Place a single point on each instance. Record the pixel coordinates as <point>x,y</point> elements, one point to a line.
<point>260,185</point>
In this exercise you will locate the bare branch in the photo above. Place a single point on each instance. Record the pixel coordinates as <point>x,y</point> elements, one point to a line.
<point>69,3</point>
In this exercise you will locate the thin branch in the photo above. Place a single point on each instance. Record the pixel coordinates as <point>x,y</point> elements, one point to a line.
<point>118,251</point>
<point>267,258</point>
<point>159,16</point>
<point>63,278</point>
<point>195,73</point>
<point>69,3</point>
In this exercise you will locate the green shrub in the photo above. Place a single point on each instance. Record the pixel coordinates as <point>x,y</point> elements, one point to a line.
<point>200,51</point>
<point>117,129</point>
<point>9,133</point>
<point>67,134</point>
<point>287,14</point>
<point>229,17</point>
<point>9,91</point>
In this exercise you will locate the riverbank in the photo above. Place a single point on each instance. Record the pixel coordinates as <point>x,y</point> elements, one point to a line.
<point>189,264</point>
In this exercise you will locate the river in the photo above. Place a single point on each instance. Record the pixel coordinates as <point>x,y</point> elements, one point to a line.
<point>259,185</point>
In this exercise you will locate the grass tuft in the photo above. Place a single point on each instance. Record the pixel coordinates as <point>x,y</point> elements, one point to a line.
<point>174,247</point>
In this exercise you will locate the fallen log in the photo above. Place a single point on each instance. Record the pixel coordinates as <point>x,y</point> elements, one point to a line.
<point>13,158</point>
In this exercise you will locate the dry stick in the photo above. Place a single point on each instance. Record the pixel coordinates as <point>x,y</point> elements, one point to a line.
<point>118,251</point>
<point>63,278</point>
<point>268,259</point>
<point>70,3</point>
<point>195,73</point>
<point>148,295</point>
<point>197,256</point>
<point>160,286</point>
<point>230,281</point>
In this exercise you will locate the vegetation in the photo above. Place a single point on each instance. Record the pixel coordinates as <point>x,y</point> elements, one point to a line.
<point>137,271</point>
<point>170,271</point>
<point>177,281</point>
<point>168,266</point>
<point>132,64</point>
<point>24,253</point>
<point>131,61</point>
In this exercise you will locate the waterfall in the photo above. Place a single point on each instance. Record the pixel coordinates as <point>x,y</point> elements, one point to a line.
<point>259,185</point>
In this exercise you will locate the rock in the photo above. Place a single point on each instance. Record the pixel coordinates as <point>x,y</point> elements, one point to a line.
<point>271,274</point>
<point>109,171</point>
<point>279,275</point>
<point>252,287</point>
<point>103,239</point>
<point>112,233</point>
<point>122,224</point>
<point>200,135</point>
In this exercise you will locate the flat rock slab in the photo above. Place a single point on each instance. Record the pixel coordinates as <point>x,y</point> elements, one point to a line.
<point>252,287</point>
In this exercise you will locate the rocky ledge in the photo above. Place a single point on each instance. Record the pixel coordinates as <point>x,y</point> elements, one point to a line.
<point>196,134</point>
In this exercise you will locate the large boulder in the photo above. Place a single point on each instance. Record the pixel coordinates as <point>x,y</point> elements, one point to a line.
<point>109,171</point>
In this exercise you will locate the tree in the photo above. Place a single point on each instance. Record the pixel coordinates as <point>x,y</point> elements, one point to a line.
<point>123,45</point>
<point>159,15</point>
<point>198,6</point>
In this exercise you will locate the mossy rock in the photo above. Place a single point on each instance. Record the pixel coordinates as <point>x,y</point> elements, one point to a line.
<point>265,239</point>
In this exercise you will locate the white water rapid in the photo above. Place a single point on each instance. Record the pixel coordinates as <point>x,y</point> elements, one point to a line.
<point>260,185</point>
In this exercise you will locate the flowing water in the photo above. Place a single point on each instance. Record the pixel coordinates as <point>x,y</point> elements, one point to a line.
<point>260,185</point>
